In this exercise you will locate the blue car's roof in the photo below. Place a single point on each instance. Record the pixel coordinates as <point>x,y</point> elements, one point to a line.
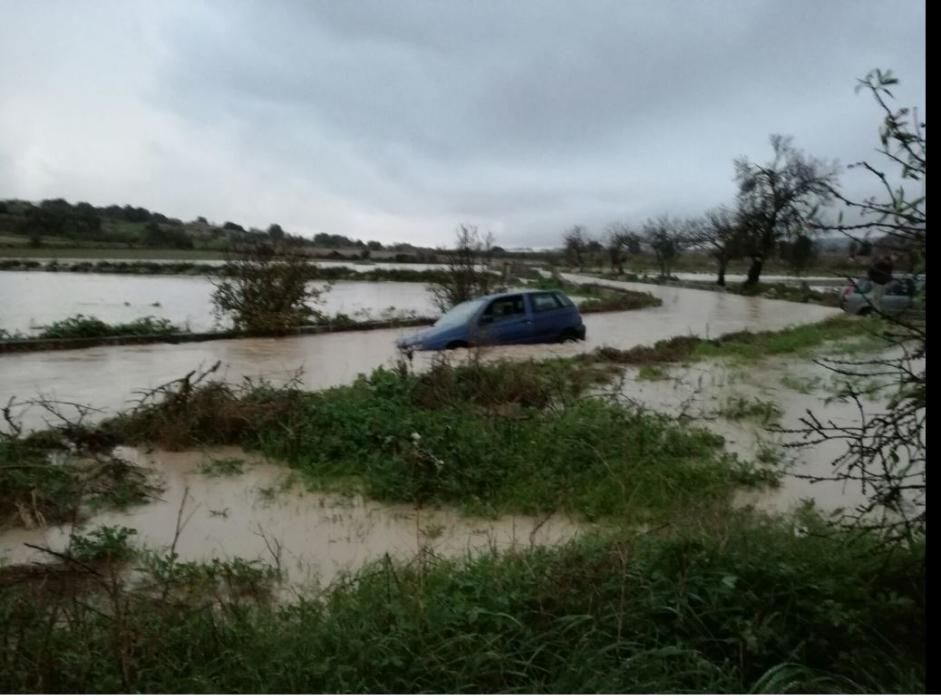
<point>509,292</point>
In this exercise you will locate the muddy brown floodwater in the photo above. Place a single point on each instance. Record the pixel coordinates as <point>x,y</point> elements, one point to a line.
<point>265,509</point>
<point>702,393</point>
<point>106,377</point>
<point>45,297</point>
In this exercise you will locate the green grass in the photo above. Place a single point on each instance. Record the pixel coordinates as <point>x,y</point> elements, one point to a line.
<point>222,466</point>
<point>794,340</point>
<point>81,326</point>
<point>841,333</point>
<point>505,437</point>
<point>802,385</point>
<point>753,409</point>
<point>747,607</point>
<point>652,373</point>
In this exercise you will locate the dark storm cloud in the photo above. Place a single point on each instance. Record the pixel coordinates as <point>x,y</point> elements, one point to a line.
<point>397,120</point>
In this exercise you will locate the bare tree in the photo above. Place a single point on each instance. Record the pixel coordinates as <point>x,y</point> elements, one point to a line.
<point>575,243</point>
<point>620,241</point>
<point>265,287</point>
<point>886,451</point>
<point>777,199</point>
<point>719,233</point>
<point>798,252</point>
<point>666,238</point>
<point>467,275</point>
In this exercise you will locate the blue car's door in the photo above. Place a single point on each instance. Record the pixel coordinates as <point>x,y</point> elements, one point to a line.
<point>550,316</point>
<point>505,321</point>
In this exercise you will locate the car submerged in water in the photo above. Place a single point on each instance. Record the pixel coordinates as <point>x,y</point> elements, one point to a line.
<point>509,318</point>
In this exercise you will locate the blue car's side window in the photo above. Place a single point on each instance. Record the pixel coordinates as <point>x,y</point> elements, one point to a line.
<point>544,302</point>
<point>504,308</point>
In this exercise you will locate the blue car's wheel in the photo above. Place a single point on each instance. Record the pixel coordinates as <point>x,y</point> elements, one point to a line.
<point>455,344</point>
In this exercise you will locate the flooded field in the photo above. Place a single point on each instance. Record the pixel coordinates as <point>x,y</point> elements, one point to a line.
<point>264,513</point>
<point>745,405</point>
<point>106,377</point>
<point>44,297</point>
<point>359,266</point>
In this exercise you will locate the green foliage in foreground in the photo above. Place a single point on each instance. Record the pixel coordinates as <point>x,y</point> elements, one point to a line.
<point>754,608</point>
<point>81,326</point>
<point>40,482</point>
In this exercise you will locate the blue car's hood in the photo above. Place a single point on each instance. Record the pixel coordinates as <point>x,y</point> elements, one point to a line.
<point>433,338</point>
<point>415,339</point>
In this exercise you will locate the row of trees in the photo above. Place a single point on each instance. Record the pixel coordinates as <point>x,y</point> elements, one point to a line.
<point>84,222</point>
<point>775,211</point>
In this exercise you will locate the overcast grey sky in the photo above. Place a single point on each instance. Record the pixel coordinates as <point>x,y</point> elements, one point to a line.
<point>397,119</point>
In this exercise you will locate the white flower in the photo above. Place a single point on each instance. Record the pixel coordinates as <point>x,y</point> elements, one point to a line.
<point>416,437</point>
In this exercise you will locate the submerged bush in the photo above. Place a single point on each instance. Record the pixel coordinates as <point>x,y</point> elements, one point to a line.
<point>40,482</point>
<point>81,326</point>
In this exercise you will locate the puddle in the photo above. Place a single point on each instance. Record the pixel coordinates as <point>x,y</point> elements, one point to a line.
<point>259,512</point>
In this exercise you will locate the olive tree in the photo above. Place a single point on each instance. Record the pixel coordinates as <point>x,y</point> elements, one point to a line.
<point>666,237</point>
<point>778,197</point>
<point>719,233</point>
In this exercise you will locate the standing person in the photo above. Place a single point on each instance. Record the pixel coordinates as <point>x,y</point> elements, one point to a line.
<point>880,274</point>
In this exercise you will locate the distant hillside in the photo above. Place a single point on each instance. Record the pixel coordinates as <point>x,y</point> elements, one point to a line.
<point>55,223</point>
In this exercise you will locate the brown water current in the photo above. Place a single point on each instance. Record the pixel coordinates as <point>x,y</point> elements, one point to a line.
<point>106,377</point>
<point>265,514</point>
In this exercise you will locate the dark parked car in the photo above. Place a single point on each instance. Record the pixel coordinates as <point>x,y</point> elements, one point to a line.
<point>898,296</point>
<point>529,316</point>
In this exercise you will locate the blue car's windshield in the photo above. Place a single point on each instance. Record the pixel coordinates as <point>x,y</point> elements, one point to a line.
<point>460,314</point>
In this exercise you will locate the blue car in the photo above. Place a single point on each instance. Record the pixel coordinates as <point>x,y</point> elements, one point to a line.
<point>529,316</point>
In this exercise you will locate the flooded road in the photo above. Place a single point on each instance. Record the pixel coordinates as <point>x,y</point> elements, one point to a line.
<point>105,377</point>
<point>45,297</point>
<point>693,312</point>
<point>265,513</point>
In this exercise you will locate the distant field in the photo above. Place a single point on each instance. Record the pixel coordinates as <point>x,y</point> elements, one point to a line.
<point>119,253</point>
